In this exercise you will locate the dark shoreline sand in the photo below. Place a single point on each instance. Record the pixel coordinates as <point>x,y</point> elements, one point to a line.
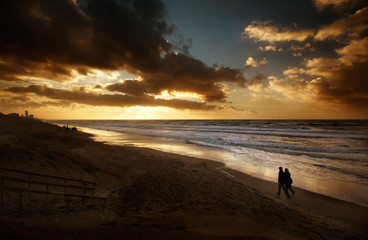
<point>158,195</point>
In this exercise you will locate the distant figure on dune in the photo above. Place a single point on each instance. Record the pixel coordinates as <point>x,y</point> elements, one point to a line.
<point>281,181</point>
<point>288,182</point>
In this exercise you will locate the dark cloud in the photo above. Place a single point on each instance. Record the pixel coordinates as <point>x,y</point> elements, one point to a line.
<point>131,87</point>
<point>19,103</point>
<point>258,78</point>
<point>16,69</point>
<point>182,73</point>
<point>340,6</point>
<point>104,34</point>
<point>344,79</point>
<point>114,100</point>
<point>348,85</point>
<point>54,39</point>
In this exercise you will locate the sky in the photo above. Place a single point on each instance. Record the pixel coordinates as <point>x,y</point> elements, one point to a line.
<point>193,59</point>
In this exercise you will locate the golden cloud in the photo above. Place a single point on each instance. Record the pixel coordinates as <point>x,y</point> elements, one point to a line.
<point>271,48</point>
<point>295,88</point>
<point>355,52</point>
<point>264,31</point>
<point>342,80</point>
<point>53,45</point>
<point>113,100</point>
<point>251,63</point>
<point>352,25</point>
<point>321,4</point>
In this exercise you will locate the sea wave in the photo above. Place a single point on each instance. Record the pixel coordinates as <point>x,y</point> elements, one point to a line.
<point>330,148</point>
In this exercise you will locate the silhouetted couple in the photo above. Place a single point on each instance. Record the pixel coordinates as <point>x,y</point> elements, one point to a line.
<point>285,182</point>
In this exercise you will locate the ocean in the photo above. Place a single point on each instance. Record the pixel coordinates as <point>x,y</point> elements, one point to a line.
<point>329,157</point>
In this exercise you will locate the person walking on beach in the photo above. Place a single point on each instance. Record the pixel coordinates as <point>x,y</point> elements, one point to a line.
<point>288,182</point>
<point>281,181</point>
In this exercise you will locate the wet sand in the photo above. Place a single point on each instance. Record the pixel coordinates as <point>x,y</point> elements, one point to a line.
<point>157,195</point>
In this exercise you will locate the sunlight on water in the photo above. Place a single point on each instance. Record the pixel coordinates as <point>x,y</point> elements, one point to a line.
<point>324,156</point>
<point>339,189</point>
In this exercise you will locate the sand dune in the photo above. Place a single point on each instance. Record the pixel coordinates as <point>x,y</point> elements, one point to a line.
<point>157,195</point>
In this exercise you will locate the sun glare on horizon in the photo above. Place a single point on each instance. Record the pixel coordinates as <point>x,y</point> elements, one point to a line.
<point>304,59</point>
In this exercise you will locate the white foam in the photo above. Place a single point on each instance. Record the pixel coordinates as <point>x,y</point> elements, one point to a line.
<point>314,155</point>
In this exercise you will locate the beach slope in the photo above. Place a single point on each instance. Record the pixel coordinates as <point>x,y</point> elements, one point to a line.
<point>155,195</point>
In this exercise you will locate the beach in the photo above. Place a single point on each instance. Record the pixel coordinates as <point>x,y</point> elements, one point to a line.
<point>324,156</point>
<point>158,195</point>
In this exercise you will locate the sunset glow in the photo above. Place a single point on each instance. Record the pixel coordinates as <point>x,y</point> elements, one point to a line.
<point>185,59</point>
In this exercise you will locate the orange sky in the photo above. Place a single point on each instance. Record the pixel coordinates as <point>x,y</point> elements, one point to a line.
<point>93,62</point>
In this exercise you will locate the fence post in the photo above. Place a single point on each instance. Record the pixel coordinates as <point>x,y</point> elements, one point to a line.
<point>20,203</point>
<point>24,189</point>
<point>104,204</point>
<point>2,192</point>
<point>67,204</point>
<point>84,194</point>
<point>29,186</point>
<point>47,194</point>
<point>64,185</point>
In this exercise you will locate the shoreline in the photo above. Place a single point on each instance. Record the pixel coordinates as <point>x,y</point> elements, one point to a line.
<point>156,194</point>
<point>331,187</point>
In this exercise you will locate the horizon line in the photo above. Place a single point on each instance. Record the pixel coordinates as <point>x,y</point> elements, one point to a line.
<point>207,119</point>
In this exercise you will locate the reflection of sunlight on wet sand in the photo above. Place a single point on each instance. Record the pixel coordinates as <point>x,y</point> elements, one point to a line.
<point>348,191</point>
<point>172,145</point>
<point>102,135</point>
<point>344,190</point>
<point>180,147</point>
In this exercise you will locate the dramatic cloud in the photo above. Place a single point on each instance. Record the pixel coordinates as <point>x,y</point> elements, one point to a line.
<point>355,52</point>
<point>264,31</point>
<point>56,40</point>
<point>251,63</point>
<point>325,3</point>
<point>352,25</point>
<point>341,80</point>
<point>10,103</point>
<point>257,82</point>
<point>347,85</point>
<point>346,78</point>
<point>130,87</point>
<point>100,34</point>
<point>295,87</point>
<point>183,74</point>
<point>270,48</point>
<point>187,74</point>
<point>114,100</point>
<point>294,47</point>
<point>322,4</point>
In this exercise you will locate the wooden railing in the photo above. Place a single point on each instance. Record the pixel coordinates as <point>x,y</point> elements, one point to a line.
<point>30,174</point>
<point>87,187</point>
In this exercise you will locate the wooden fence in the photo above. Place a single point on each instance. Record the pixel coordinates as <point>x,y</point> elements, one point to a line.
<point>87,188</point>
